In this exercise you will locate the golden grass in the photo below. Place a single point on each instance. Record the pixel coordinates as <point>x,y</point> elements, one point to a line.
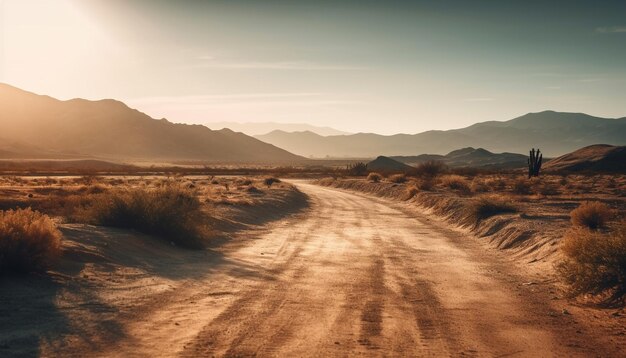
<point>487,206</point>
<point>398,178</point>
<point>168,211</point>
<point>374,177</point>
<point>455,182</point>
<point>595,262</point>
<point>591,215</point>
<point>29,241</point>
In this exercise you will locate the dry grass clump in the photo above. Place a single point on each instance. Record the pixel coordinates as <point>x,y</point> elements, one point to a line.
<point>592,215</point>
<point>374,177</point>
<point>29,241</point>
<point>487,206</point>
<point>172,212</point>
<point>430,169</point>
<point>270,181</point>
<point>411,192</point>
<point>426,184</point>
<point>595,262</point>
<point>479,186</point>
<point>398,178</point>
<point>522,186</point>
<point>455,182</point>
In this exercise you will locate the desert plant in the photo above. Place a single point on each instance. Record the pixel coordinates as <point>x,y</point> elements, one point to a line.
<point>595,262</point>
<point>411,192</point>
<point>270,181</point>
<point>591,214</point>
<point>398,178</point>
<point>430,169</point>
<point>487,206</point>
<point>374,177</point>
<point>170,212</point>
<point>455,182</point>
<point>522,186</point>
<point>356,169</point>
<point>479,186</point>
<point>29,241</point>
<point>534,163</point>
<point>426,184</point>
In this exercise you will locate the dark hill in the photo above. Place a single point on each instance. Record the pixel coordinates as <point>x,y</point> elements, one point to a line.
<point>600,158</point>
<point>110,129</point>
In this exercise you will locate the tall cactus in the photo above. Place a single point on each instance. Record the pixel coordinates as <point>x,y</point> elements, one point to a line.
<point>534,163</point>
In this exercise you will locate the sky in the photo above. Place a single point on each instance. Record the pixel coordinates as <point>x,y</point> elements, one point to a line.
<point>359,66</point>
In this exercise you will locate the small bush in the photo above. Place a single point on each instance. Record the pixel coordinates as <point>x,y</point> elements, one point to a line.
<point>356,169</point>
<point>253,190</point>
<point>270,181</point>
<point>592,215</point>
<point>488,206</point>
<point>455,182</point>
<point>170,212</point>
<point>522,186</point>
<point>398,178</point>
<point>426,184</point>
<point>29,241</point>
<point>595,262</point>
<point>374,177</point>
<point>479,186</point>
<point>430,169</point>
<point>411,192</point>
<point>548,189</point>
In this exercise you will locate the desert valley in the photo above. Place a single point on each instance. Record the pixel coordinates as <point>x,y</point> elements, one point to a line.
<point>310,208</point>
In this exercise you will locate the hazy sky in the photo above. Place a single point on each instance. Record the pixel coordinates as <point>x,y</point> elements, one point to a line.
<point>370,66</point>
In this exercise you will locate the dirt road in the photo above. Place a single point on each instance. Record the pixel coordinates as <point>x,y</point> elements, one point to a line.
<point>354,275</point>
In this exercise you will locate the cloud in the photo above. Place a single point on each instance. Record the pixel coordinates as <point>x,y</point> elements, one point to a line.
<point>611,29</point>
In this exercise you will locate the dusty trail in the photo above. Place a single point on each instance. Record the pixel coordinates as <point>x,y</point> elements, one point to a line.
<point>353,276</point>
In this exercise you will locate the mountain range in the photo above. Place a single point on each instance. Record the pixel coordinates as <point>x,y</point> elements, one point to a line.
<point>469,157</point>
<point>47,127</point>
<point>258,128</point>
<point>555,133</point>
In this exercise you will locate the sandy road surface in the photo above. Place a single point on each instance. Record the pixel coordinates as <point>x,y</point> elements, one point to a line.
<point>352,276</point>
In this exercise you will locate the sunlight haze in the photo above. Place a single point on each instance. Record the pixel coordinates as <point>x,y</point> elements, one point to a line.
<point>406,66</point>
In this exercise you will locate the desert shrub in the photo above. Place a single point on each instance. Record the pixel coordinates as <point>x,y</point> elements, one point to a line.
<point>356,169</point>
<point>592,215</point>
<point>246,182</point>
<point>479,186</point>
<point>496,183</point>
<point>253,190</point>
<point>270,181</point>
<point>374,177</point>
<point>430,169</point>
<point>488,206</point>
<point>398,178</point>
<point>548,189</point>
<point>170,212</point>
<point>455,182</point>
<point>522,186</point>
<point>595,262</point>
<point>29,241</point>
<point>411,192</point>
<point>426,184</point>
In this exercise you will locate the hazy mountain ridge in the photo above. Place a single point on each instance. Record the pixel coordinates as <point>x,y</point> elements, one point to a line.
<point>469,157</point>
<point>259,128</point>
<point>555,133</point>
<point>110,129</point>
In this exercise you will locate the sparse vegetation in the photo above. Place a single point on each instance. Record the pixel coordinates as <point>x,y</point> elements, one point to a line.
<point>489,205</point>
<point>592,215</point>
<point>522,186</point>
<point>356,169</point>
<point>29,241</point>
<point>411,192</point>
<point>455,182</point>
<point>430,169</point>
<point>171,212</point>
<point>374,177</point>
<point>398,178</point>
<point>270,181</point>
<point>595,262</point>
